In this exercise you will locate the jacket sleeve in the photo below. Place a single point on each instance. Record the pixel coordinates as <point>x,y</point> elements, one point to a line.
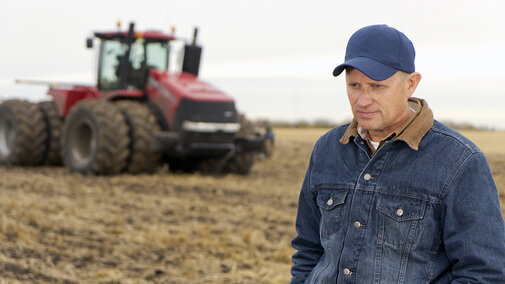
<point>473,227</point>
<point>307,242</point>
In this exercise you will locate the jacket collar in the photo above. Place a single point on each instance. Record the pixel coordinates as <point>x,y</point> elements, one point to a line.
<point>411,133</point>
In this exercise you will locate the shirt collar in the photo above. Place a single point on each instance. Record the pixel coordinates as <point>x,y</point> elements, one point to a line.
<point>411,133</point>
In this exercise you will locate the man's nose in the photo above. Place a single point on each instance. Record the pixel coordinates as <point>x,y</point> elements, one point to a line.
<point>365,98</point>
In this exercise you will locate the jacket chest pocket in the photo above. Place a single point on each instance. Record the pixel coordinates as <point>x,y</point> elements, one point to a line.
<point>399,219</point>
<point>330,202</point>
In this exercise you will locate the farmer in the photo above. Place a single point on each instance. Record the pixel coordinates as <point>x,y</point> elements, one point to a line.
<point>394,196</point>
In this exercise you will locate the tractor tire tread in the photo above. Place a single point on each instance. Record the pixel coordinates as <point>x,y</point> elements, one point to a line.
<point>30,140</point>
<point>142,127</point>
<point>54,122</point>
<point>112,137</point>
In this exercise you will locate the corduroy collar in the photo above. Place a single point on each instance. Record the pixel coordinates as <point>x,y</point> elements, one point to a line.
<point>411,133</point>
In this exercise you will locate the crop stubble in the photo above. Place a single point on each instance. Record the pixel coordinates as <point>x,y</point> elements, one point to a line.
<point>62,227</point>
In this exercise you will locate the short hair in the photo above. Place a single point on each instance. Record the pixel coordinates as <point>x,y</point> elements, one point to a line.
<point>403,74</point>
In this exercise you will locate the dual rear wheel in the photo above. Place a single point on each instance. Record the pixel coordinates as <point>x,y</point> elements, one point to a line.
<point>103,137</point>
<point>97,137</point>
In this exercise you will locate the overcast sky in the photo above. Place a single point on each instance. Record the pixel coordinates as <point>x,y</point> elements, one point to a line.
<point>274,57</point>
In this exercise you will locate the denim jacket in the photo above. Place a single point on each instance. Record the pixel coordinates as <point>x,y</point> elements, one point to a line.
<point>421,212</point>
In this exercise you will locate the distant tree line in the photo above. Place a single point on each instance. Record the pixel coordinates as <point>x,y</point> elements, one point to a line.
<point>326,123</point>
<point>303,123</point>
<point>467,126</point>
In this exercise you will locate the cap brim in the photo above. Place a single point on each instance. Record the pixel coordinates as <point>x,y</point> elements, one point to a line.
<point>371,68</point>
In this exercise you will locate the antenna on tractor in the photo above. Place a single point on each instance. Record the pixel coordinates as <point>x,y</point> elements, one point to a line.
<point>195,33</point>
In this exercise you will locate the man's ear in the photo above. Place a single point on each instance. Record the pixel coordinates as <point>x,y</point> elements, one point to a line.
<point>412,81</point>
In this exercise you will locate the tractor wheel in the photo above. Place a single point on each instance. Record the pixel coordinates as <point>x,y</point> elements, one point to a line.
<point>241,163</point>
<point>95,138</point>
<point>142,127</point>
<point>54,122</point>
<point>22,134</point>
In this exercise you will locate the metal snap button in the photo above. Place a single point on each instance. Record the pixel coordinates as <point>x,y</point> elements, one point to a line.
<point>367,177</point>
<point>357,224</point>
<point>399,212</point>
<point>347,271</point>
<point>329,202</point>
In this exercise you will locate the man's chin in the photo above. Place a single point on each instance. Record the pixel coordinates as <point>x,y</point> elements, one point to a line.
<point>366,124</point>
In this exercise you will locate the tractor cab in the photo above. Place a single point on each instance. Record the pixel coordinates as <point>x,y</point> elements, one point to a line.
<point>125,58</point>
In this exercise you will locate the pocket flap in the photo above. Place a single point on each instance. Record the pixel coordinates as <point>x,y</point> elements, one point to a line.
<point>329,198</point>
<point>401,208</point>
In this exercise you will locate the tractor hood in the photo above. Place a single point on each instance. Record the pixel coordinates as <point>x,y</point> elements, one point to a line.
<point>188,86</point>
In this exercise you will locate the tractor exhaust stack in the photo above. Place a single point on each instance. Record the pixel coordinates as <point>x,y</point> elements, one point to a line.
<point>192,55</point>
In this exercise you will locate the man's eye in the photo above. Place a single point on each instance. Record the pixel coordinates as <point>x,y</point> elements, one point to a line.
<point>377,85</point>
<point>354,85</point>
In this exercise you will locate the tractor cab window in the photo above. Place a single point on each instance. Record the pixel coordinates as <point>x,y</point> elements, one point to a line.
<point>143,55</point>
<point>157,55</point>
<point>137,54</point>
<point>110,54</point>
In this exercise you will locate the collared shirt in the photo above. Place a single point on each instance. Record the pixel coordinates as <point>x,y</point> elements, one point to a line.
<point>411,136</point>
<point>420,210</point>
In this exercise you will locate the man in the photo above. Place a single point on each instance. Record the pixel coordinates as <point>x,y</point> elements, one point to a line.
<point>394,196</point>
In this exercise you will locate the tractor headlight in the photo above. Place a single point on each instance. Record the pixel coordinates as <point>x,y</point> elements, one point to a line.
<point>210,126</point>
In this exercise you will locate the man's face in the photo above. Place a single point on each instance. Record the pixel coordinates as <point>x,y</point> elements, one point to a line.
<point>379,106</point>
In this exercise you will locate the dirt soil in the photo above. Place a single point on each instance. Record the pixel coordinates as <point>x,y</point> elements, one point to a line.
<point>61,227</point>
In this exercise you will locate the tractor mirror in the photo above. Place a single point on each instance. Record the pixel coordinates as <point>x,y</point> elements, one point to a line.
<point>89,42</point>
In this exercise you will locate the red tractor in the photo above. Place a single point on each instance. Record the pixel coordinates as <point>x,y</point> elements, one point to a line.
<point>138,116</point>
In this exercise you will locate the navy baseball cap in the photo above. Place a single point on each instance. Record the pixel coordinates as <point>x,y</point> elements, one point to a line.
<point>378,51</point>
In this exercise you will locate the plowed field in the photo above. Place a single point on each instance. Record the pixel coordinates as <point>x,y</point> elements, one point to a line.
<point>61,227</point>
